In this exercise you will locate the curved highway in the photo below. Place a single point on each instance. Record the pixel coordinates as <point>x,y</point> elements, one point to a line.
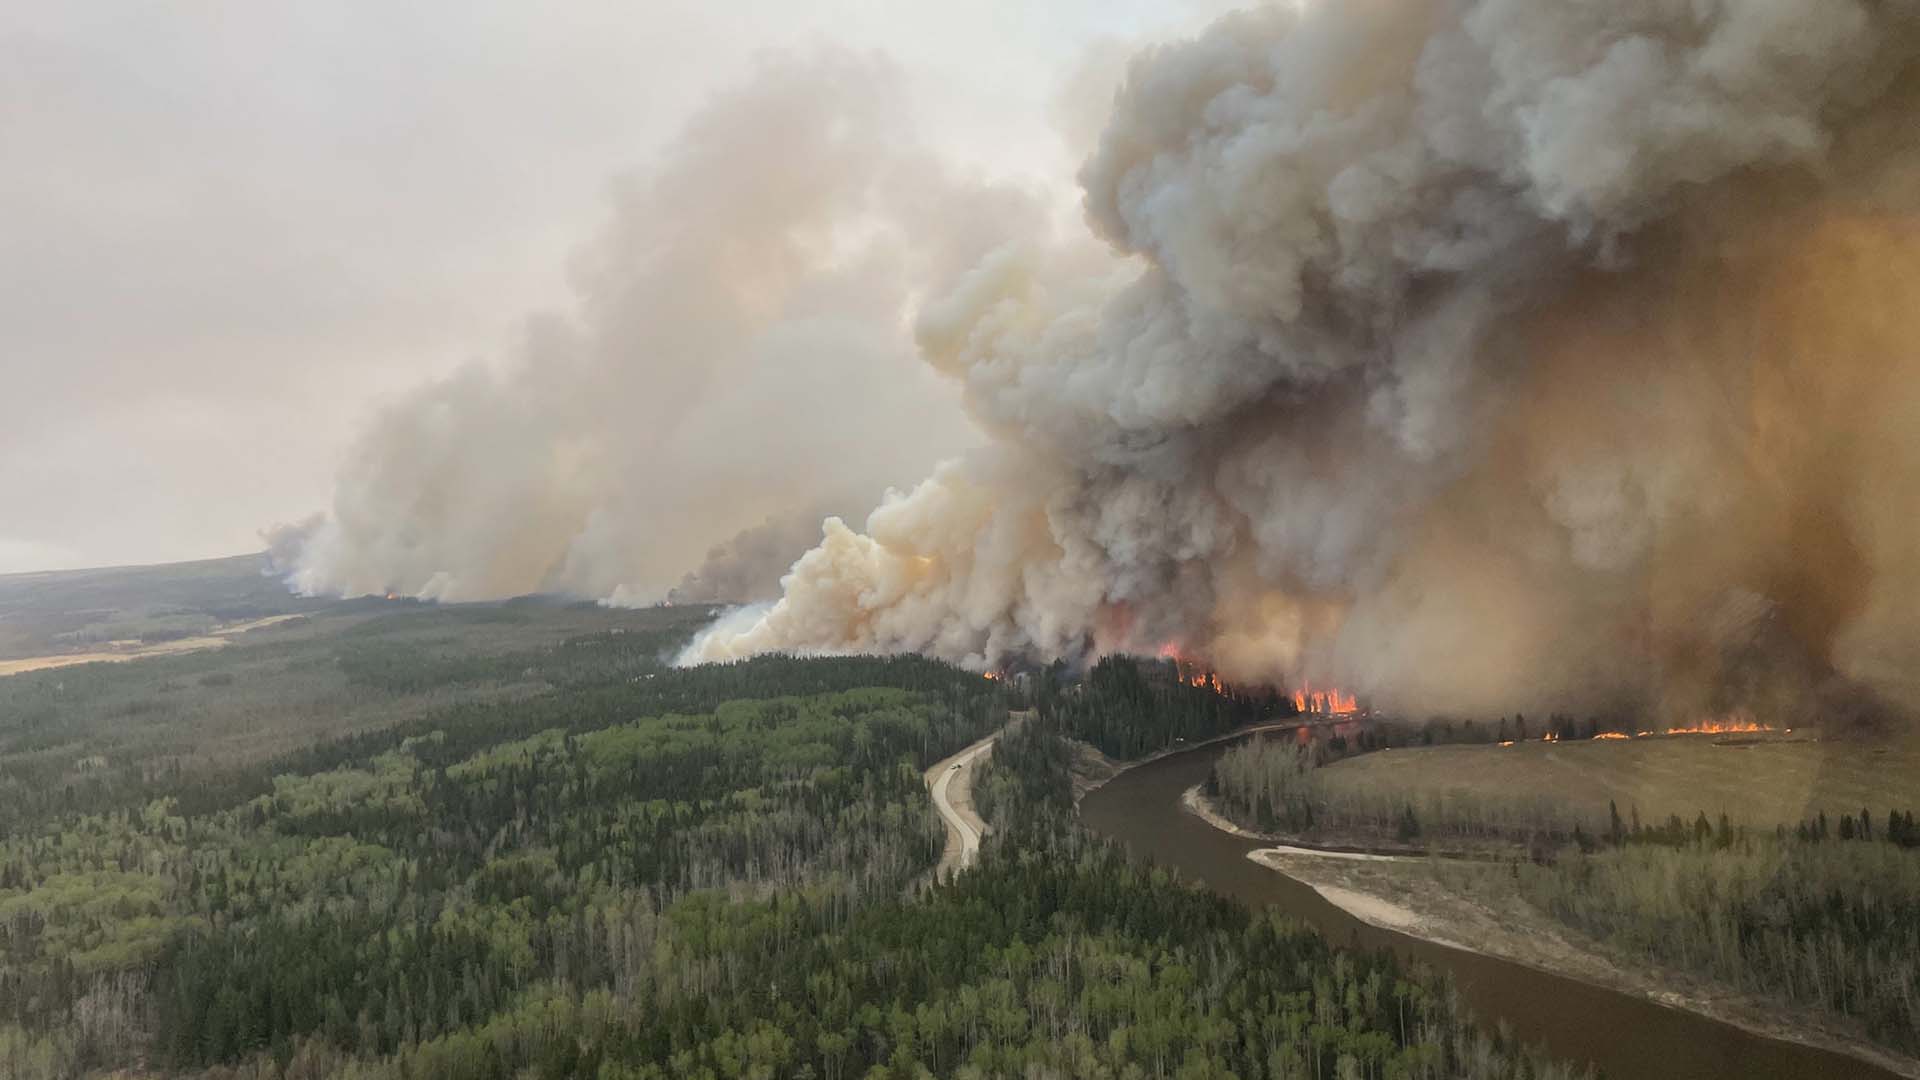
<point>951,784</point>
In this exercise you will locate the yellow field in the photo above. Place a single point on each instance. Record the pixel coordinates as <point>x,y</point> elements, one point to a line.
<point>1761,784</point>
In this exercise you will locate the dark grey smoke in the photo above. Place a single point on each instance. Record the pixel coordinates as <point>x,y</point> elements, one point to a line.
<point>747,568</point>
<point>1472,354</point>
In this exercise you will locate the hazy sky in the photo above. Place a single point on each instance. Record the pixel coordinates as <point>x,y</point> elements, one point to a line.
<point>230,229</point>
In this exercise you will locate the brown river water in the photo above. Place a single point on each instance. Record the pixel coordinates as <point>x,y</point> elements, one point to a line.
<point>1627,1037</point>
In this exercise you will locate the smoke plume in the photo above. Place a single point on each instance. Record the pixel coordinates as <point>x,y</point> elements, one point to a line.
<point>740,351</point>
<point>1474,354</point>
<point>747,568</point>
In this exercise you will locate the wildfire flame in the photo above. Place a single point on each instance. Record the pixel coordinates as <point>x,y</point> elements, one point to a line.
<point>1192,672</point>
<point>1734,724</point>
<point>1306,700</point>
<point>1206,680</point>
<point>1324,702</point>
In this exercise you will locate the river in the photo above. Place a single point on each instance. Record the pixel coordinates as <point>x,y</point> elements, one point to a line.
<point>1627,1037</point>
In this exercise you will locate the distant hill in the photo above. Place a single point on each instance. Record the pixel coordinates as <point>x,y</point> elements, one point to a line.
<point>69,610</point>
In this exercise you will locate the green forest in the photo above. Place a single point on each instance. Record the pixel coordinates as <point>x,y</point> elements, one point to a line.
<point>1127,708</point>
<point>555,856</point>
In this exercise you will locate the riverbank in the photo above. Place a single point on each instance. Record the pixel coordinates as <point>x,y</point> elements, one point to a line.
<point>1449,902</point>
<point>1093,769</point>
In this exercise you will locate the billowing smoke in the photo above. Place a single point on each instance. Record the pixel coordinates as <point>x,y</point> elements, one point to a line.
<point>287,541</point>
<point>747,568</point>
<point>1475,354</point>
<point>741,351</point>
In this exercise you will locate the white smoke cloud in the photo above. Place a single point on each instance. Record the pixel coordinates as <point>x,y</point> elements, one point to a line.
<point>1464,350</point>
<point>741,350</point>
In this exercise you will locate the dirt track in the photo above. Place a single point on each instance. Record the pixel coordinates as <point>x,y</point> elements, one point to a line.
<point>215,639</point>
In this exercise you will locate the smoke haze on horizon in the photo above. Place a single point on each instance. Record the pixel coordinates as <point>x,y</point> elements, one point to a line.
<point>235,232</point>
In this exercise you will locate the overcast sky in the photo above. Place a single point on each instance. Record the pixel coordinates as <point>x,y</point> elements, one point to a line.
<point>231,229</point>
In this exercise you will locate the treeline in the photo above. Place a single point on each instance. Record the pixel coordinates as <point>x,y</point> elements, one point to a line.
<point>1383,732</point>
<point>586,683</point>
<point>1899,828</point>
<point>1127,707</point>
<point>462,730</point>
<point>1273,785</point>
<point>1827,926</point>
<point>1268,785</point>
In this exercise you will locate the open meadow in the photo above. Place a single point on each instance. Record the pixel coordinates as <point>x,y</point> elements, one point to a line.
<point>1771,879</point>
<point>1759,782</point>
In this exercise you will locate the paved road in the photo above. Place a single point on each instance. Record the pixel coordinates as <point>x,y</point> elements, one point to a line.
<point>951,783</point>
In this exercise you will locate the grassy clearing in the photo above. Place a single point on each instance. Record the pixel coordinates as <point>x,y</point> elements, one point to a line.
<point>1759,784</point>
<point>1809,932</point>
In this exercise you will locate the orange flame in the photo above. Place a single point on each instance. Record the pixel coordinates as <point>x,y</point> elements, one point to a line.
<point>1324,702</point>
<point>1192,672</point>
<point>1731,724</point>
<point>1206,680</point>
